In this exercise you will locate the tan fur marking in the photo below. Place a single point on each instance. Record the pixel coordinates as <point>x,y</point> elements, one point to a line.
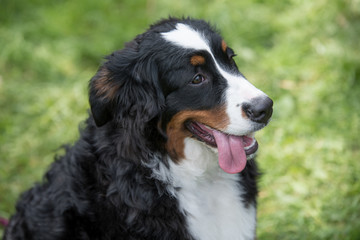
<point>243,113</point>
<point>223,46</point>
<point>104,85</point>
<point>177,132</point>
<point>197,60</point>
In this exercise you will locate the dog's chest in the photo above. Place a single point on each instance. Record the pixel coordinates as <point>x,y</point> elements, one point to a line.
<point>212,200</point>
<point>214,210</point>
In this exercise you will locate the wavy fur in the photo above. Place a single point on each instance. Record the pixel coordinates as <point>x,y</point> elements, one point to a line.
<point>105,187</point>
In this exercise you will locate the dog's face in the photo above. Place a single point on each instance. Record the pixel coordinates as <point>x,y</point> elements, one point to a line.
<point>180,79</point>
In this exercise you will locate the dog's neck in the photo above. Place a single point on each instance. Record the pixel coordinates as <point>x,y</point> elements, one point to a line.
<point>210,199</point>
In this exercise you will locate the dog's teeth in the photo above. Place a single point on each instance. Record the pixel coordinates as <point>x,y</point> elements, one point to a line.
<point>251,145</point>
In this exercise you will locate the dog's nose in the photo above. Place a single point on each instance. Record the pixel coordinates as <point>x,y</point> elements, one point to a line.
<point>259,109</point>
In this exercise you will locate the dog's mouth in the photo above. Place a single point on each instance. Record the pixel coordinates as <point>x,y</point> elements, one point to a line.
<point>234,151</point>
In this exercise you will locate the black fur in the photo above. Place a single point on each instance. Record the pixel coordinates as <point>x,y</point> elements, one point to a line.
<point>100,189</point>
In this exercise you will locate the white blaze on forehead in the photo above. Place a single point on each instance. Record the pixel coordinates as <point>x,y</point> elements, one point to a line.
<point>186,37</point>
<point>239,89</point>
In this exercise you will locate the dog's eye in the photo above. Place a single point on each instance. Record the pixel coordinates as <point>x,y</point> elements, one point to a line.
<point>198,79</point>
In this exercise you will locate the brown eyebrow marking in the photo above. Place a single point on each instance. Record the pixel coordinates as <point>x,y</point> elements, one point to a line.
<point>223,46</point>
<point>197,60</point>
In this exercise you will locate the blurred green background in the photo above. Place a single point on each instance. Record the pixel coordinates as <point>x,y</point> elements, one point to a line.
<point>304,54</point>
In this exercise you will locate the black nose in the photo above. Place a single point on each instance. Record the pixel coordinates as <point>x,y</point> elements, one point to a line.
<point>259,109</point>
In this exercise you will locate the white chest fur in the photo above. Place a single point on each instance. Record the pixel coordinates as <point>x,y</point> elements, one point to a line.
<point>209,197</point>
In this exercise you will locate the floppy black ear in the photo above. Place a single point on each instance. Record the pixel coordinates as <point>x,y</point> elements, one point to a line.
<point>125,89</point>
<point>99,97</point>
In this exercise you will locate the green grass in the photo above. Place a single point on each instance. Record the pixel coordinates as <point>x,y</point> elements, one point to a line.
<point>304,54</point>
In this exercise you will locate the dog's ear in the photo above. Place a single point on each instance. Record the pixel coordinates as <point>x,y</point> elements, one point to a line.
<point>100,96</point>
<point>125,88</point>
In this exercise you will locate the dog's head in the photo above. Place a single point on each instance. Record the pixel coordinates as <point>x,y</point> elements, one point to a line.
<point>179,80</point>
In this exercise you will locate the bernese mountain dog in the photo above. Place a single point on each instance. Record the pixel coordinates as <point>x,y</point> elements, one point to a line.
<point>167,151</point>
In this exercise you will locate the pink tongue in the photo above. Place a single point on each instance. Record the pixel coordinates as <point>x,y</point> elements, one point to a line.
<point>232,157</point>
